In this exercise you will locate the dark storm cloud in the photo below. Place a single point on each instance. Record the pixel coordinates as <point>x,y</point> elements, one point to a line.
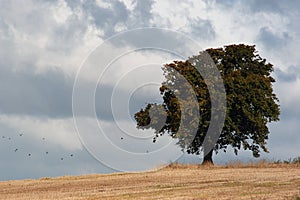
<point>265,6</point>
<point>24,92</point>
<point>47,95</point>
<point>271,40</point>
<point>104,18</point>
<point>274,6</point>
<point>104,97</point>
<point>202,29</point>
<point>149,37</point>
<point>107,19</point>
<point>142,13</point>
<point>117,14</point>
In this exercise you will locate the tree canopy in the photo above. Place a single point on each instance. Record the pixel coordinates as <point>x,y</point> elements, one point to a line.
<point>250,102</point>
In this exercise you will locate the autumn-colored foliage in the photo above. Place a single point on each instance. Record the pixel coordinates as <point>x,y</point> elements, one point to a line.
<point>250,102</point>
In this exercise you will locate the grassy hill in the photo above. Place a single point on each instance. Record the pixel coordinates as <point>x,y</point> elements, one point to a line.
<point>259,181</point>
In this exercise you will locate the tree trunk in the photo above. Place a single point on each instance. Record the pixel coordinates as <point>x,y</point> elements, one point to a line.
<point>207,160</point>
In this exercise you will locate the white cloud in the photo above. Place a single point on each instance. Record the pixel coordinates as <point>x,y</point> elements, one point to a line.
<point>61,12</point>
<point>49,35</point>
<point>103,4</point>
<point>60,132</point>
<point>38,37</point>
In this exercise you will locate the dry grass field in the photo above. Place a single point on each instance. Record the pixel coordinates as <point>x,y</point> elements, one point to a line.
<point>262,181</point>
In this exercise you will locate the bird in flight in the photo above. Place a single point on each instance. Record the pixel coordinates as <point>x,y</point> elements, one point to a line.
<point>29,154</point>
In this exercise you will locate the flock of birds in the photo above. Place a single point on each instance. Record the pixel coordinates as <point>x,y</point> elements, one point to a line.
<point>29,154</point>
<point>46,152</point>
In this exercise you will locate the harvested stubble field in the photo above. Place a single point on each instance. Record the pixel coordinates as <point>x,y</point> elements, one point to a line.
<point>263,181</point>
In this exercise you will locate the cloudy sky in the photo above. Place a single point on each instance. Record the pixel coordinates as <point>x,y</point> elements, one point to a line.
<point>45,45</point>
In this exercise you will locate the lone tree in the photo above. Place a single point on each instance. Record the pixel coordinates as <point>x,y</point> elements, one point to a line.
<point>250,103</point>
